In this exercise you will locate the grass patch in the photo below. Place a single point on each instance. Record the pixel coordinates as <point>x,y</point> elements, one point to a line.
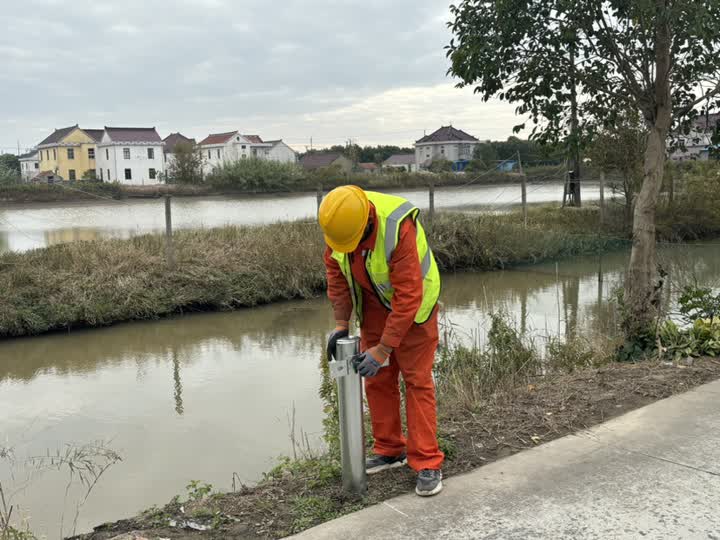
<point>103,282</point>
<point>86,284</point>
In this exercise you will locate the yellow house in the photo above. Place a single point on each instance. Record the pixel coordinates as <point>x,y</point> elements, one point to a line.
<point>69,153</point>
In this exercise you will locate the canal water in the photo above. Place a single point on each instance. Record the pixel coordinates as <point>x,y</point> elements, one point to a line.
<point>205,396</point>
<point>30,226</point>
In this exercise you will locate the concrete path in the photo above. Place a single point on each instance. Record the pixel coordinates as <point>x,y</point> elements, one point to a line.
<point>652,473</point>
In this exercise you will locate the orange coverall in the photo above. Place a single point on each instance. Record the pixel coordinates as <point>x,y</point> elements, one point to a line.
<point>413,349</point>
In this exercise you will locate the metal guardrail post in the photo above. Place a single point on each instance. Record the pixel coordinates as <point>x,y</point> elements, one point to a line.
<point>352,428</point>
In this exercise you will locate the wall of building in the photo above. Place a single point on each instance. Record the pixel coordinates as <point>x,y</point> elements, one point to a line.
<point>57,158</point>
<point>452,151</point>
<point>283,153</point>
<point>111,157</point>
<point>29,168</point>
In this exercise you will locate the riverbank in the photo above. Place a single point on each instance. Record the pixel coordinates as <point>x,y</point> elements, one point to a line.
<point>521,412</point>
<point>98,283</point>
<point>306,183</point>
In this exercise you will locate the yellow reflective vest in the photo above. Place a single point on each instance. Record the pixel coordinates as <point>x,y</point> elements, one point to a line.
<point>391,212</point>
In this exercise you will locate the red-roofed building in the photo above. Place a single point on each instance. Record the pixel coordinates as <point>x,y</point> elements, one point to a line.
<point>447,143</point>
<point>220,148</point>
<point>369,168</point>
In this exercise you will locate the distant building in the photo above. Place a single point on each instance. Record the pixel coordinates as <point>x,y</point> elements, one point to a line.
<point>326,160</point>
<point>369,168</point>
<point>171,141</point>
<point>220,148</point>
<point>447,143</point>
<point>403,162</point>
<point>29,165</point>
<point>47,177</point>
<point>131,156</point>
<point>697,143</point>
<point>69,152</point>
<point>279,151</point>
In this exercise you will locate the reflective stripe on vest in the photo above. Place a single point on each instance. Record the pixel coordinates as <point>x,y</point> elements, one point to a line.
<point>391,211</point>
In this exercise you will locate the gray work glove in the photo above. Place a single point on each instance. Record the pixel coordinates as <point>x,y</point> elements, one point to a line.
<point>368,364</point>
<point>339,333</point>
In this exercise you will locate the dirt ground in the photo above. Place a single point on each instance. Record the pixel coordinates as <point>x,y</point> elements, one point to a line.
<point>527,416</point>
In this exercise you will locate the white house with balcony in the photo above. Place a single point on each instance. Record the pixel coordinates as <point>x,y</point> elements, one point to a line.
<point>696,145</point>
<point>132,156</point>
<point>447,143</point>
<point>220,148</point>
<point>29,165</point>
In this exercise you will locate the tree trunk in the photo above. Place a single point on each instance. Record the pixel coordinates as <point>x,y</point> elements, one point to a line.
<point>643,284</point>
<point>575,196</point>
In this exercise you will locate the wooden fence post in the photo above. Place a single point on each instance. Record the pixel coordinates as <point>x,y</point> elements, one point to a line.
<point>523,191</point>
<point>319,196</point>
<point>431,212</point>
<point>602,197</point>
<point>168,233</point>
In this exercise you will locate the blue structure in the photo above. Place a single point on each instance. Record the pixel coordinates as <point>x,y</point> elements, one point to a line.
<point>507,166</point>
<point>460,165</point>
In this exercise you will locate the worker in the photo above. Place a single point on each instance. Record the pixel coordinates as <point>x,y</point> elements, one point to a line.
<point>380,266</point>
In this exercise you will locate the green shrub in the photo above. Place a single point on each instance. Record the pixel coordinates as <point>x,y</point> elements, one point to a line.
<point>699,303</point>
<point>256,175</point>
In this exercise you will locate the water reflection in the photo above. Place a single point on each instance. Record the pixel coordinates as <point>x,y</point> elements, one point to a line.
<point>30,226</point>
<point>203,396</point>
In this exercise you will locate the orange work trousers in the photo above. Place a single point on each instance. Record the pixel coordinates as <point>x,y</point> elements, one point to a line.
<point>413,359</point>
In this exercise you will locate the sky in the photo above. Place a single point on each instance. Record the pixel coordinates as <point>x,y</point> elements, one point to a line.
<point>373,71</point>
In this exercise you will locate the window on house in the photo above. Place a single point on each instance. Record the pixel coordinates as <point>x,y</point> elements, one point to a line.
<point>218,153</point>
<point>91,153</point>
<point>54,154</point>
<point>71,174</point>
<point>37,165</point>
<point>244,156</point>
<point>243,147</point>
<point>152,174</point>
<point>108,174</point>
<point>107,154</point>
<point>128,174</point>
<point>101,174</point>
<point>126,153</point>
<point>71,153</point>
<point>442,150</point>
<point>209,154</point>
<point>151,153</point>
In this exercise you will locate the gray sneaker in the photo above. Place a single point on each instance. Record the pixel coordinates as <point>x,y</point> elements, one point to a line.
<point>429,482</point>
<point>378,463</point>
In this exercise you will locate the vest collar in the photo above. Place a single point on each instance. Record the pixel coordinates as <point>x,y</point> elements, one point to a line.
<point>369,244</point>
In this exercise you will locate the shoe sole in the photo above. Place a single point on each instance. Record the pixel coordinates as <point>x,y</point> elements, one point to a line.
<point>435,491</point>
<point>387,467</point>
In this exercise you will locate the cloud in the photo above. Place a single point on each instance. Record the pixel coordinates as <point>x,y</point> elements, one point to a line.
<point>327,68</point>
<point>125,29</point>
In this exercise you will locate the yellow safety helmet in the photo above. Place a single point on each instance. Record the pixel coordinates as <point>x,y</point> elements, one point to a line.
<point>343,216</point>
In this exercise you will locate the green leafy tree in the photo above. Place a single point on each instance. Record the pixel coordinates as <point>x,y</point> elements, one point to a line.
<point>186,166</point>
<point>10,161</point>
<point>620,149</point>
<point>440,166</point>
<point>8,175</point>
<point>486,153</point>
<point>660,58</point>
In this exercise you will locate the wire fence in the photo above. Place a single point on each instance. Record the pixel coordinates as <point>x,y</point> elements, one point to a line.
<point>470,196</point>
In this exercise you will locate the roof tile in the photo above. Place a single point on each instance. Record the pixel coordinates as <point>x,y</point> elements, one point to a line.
<point>218,138</point>
<point>447,134</point>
